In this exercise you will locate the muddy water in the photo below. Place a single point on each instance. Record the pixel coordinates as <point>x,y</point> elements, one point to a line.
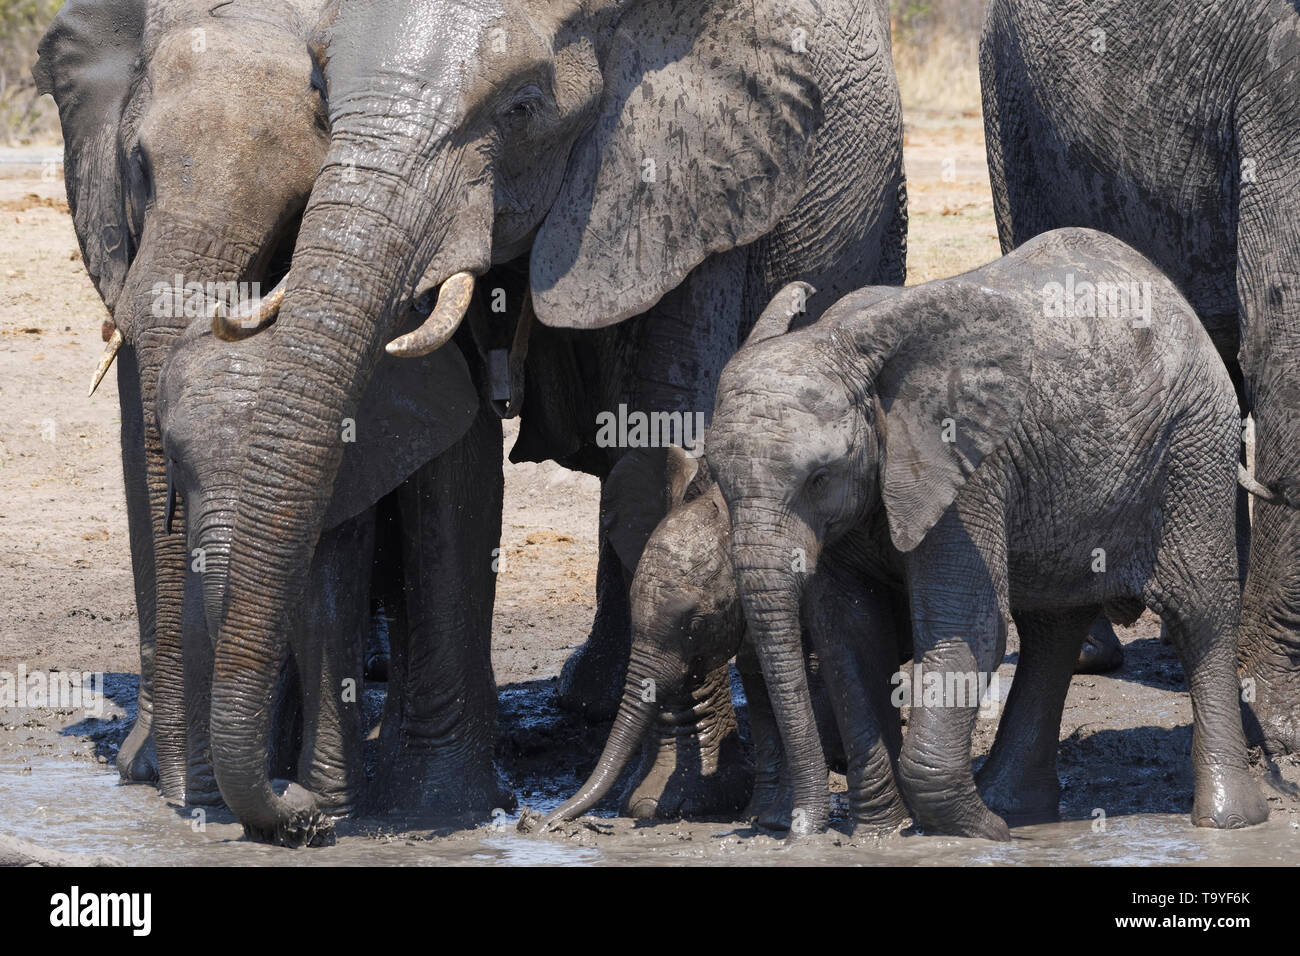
<point>73,804</point>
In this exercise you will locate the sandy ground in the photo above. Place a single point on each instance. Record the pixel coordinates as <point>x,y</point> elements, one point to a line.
<point>66,603</point>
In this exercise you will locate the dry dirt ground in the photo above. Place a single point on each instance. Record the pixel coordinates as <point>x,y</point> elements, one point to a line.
<point>66,603</point>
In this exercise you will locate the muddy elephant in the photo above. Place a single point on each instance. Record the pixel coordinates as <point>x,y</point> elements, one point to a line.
<point>404,424</point>
<point>687,623</point>
<point>1191,159</point>
<point>646,173</point>
<point>1036,456</point>
<point>192,138</point>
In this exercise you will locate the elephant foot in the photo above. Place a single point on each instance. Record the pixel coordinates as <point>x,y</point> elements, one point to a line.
<point>1101,651</point>
<point>591,681</point>
<point>770,810</point>
<point>694,764</point>
<point>1227,798</point>
<point>302,824</point>
<point>878,821</point>
<point>137,760</point>
<point>440,786</point>
<point>965,815</point>
<point>201,786</point>
<point>1022,803</point>
<point>1272,718</point>
<point>334,801</point>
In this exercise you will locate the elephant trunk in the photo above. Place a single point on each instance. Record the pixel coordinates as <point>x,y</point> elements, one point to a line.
<point>771,564</point>
<point>651,677</point>
<point>358,259</point>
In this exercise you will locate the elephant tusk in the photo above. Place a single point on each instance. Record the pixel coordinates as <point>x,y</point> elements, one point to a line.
<point>453,300</point>
<point>106,360</point>
<point>240,326</point>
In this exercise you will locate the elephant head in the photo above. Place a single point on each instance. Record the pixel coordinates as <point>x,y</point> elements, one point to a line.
<point>192,138</point>
<point>615,144</point>
<point>206,394</point>
<point>891,400</point>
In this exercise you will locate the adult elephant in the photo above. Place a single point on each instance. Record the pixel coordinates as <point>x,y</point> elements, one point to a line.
<point>650,171</point>
<point>192,139</point>
<point>1187,149</point>
<point>206,395</point>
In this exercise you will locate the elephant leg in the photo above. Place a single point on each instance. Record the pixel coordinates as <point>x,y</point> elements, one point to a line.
<point>137,759</point>
<point>694,764</point>
<point>1269,638</point>
<point>1101,651</point>
<point>591,680</point>
<point>327,641</point>
<point>855,636</point>
<point>1195,589</point>
<point>1018,781</point>
<point>196,650</point>
<point>440,718</point>
<point>958,597</point>
<point>1268,286</point>
<point>772,800</point>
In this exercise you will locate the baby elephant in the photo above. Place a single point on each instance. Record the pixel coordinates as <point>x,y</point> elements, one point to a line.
<point>687,623</point>
<point>1047,437</point>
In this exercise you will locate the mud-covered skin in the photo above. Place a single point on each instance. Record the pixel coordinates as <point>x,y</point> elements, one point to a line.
<point>181,158</point>
<point>1028,462</point>
<point>1181,137</point>
<point>467,135</point>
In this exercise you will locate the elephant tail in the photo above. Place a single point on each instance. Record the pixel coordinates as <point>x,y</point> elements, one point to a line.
<point>1260,490</point>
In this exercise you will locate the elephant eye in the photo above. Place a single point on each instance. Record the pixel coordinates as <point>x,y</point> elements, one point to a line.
<point>525,104</point>
<point>819,481</point>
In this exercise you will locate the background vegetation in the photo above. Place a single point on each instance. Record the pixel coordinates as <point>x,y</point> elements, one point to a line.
<point>24,116</point>
<point>935,48</point>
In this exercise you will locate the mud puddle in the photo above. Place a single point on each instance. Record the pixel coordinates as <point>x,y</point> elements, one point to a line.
<point>59,790</point>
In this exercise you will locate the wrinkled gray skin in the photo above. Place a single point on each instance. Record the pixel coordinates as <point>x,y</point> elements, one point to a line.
<point>186,163</point>
<point>687,620</point>
<point>468,135</point>
<point>207,391</point>
<point>1183,139</point>
<point>1068,435</point>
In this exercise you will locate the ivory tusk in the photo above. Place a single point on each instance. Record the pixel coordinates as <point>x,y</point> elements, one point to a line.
<point>239,327</point>
<point>106,360</point>
<point>453,300</point>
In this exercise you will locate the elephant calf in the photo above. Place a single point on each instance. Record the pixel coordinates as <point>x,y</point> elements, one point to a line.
<point>687,624</point>
<point>1048,437</point>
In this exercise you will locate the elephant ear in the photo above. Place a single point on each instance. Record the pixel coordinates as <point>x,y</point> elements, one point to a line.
<point>951,365</point>
<point>412,411</point>
<point>87,62</point>
<point>701,145</point>
<point>642,487</point>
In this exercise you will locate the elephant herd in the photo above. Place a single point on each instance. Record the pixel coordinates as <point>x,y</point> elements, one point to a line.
<point>550,209</point>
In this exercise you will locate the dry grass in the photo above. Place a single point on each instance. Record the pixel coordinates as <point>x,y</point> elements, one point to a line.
<point>936,52</point>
